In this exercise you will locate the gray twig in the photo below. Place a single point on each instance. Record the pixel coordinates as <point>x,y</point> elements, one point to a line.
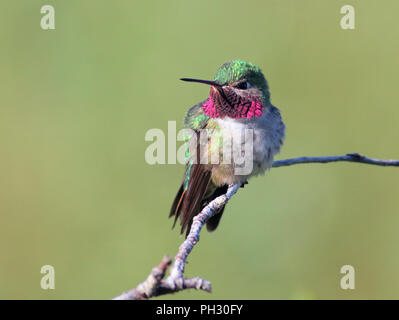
<point>350,157</point>
<point>154,285</point>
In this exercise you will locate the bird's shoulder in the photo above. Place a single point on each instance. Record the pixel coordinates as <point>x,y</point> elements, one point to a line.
<point>195,118</point>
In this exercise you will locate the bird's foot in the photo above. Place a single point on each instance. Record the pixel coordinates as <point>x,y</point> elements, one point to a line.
<point>244,183</point>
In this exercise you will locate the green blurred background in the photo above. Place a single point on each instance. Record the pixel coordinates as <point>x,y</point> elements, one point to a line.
<point>76,102</point>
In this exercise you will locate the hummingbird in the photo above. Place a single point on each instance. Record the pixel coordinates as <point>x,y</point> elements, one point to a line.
<point>239,100</point>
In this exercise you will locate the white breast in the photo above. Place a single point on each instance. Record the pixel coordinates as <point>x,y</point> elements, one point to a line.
<point>267,137</point>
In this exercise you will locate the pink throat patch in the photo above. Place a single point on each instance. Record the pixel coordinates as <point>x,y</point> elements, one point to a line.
<point>246,110</point>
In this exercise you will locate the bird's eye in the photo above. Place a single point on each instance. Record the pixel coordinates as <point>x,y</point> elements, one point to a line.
<point>243,85</point>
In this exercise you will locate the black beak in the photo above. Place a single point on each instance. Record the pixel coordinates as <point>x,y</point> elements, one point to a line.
<point>211,83</point>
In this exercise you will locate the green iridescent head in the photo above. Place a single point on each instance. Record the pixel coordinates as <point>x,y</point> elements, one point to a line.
<point>239,91</point>
<point>244,75</point>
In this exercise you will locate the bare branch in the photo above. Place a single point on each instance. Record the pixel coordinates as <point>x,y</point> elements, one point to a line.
<point>154,285</point>
<point>350,157</point>
<point>198,222</point>
<point>149,287</point>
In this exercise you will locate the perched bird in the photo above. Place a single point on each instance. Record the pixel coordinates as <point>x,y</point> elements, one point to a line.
<point>239,102</point>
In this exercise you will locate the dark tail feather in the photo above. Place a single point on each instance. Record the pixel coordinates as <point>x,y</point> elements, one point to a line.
<point>213,222</point>
<point>188,202</point>
<point>191,208</point>
<point>192,201</point>
<point>174,210</point>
